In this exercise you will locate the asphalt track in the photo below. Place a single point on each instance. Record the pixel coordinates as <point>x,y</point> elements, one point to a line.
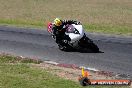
<point>34,43</point>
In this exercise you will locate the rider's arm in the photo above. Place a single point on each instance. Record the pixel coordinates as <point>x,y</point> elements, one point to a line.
<point>70,22</point>
<point>55,32</point>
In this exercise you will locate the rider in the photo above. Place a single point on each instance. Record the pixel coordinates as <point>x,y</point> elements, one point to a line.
<point>59,29</point>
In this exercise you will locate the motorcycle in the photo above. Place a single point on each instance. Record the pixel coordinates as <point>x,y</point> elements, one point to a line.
<point>79,40</point>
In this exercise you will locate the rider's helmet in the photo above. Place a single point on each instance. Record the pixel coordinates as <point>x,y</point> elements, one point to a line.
<point>57,22</point>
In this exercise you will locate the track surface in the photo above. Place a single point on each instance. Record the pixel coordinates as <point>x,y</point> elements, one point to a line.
<point>117,56</point>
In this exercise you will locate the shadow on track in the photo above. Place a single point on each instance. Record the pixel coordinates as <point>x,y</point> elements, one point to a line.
<point>83,51</point>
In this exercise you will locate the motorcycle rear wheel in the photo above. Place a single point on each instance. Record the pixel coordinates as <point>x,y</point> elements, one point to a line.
<point>88,44</point>
<point>93,47</point>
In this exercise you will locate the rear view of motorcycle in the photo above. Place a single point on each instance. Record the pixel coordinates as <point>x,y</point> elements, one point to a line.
<point>79,40</point>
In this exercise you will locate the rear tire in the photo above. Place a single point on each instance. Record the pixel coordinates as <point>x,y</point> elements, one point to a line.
<point>93,47</point>
<point>89,45</point>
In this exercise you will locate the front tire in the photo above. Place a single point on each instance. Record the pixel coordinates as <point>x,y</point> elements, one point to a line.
<point>66,48</point>
<point>62,48</point>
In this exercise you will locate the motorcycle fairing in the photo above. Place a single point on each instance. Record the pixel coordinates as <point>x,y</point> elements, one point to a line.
<point>75,32</point>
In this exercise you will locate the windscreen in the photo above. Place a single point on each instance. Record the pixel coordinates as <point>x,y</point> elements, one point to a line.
<point>70,29</point>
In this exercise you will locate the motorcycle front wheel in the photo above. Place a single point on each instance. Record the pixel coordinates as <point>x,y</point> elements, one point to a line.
<point>66,48</point>
<point>62,48</point>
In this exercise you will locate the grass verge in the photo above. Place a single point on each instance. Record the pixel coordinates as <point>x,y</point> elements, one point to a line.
<point>24,23</point>
<point>16,72</point>
<point>104,16</point>
<point>107,29</point>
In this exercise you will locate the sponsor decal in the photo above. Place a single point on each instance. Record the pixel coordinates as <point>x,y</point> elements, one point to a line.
<point>85,81</point>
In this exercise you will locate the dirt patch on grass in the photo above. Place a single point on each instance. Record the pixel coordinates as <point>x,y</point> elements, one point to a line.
<point>60,70</point>
<point>69,73</point>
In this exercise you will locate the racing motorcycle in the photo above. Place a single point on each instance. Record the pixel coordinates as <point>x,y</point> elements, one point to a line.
<point>79,40</point>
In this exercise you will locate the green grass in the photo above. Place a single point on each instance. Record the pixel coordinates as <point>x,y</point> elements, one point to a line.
<point>25,23</point>
<point>109,29</point>
<point>21,75</point>
<point>16,74</point>
<point>107,16</point>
